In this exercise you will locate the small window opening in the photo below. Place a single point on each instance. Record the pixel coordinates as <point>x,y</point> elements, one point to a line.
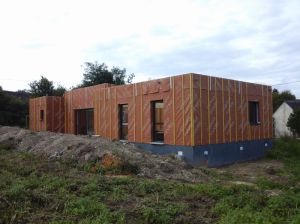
<point>123,125</point>
<point>254,113</point>
<point>41,115</point>
<point>157,121</point>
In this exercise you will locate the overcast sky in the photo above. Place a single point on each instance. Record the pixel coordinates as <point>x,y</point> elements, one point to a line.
<point>256,41</point>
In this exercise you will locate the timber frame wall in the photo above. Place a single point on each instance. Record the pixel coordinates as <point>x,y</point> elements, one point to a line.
<point>198,110</point>
<point>54,114</point>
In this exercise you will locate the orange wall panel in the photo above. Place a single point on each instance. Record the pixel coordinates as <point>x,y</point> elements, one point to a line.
<point>198,110</point>
<point>53,114</point>
<point>221,110</point>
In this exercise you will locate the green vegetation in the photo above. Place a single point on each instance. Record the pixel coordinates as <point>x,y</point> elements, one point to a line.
<point>95,73</point>
<point>294,122</point>
<point>288,150</point>
<point>33,190</point>
<point>13,110</point>
<point>44,87</point>
<point>280,97</point>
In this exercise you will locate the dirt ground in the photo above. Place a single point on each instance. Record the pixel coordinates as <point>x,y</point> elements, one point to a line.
<point>251,172</point>
<point>90,149</point>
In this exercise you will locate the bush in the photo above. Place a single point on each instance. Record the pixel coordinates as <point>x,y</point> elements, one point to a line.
<point>285,148</point>
<point>294,122</point>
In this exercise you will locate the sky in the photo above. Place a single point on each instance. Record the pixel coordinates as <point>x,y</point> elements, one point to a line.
<point>250,40</point>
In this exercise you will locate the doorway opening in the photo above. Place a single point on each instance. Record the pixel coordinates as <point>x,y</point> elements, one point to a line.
<point>157,121</point>
<point>84,122</point>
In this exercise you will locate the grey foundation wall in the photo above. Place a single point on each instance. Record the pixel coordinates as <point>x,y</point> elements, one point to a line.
<point>214,155</point>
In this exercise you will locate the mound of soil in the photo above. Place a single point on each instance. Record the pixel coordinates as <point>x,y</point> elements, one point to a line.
<point>85,149</point>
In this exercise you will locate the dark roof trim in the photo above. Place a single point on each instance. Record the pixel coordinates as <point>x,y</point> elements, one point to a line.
<point>294,104</point>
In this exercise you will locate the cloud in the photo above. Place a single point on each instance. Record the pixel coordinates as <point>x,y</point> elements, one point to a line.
<point>255,41</point>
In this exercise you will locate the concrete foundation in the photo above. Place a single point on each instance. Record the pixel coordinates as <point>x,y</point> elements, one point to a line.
<point>214,155</point>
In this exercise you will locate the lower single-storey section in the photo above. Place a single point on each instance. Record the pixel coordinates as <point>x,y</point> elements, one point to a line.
<point>213,155</point>
<point>209,120</point>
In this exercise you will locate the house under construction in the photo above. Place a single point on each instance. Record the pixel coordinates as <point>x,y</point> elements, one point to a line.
<point>206,120</point>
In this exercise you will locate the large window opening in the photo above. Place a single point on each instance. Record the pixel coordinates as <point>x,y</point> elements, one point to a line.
<point>84,122</point>
<point>254,113</point>
<point>157,121</point>
<point>123,114</point>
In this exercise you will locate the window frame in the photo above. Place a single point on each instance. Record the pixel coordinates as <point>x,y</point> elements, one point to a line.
<point>254,112</point>
<point>121,123</point>
<point>157,136</point>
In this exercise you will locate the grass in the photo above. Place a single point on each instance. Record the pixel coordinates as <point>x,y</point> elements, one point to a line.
<point>33,190</point>
<point>288,150</point>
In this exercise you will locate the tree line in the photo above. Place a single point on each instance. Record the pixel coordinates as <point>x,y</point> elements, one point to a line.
<point>94,73</point>
<point>14,109</point>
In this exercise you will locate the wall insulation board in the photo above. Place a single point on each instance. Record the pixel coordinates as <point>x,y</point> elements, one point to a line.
<point>76,99</point>
<point>35,106</point>
<point>138,97</point>
<point>198,110</point>
<point>221,113</point>
<point>54,113</point>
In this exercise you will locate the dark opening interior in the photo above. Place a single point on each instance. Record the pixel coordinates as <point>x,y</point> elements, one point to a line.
<point>123,113</point>
<point>84,122</point>
<point>157,121</point>
<point>41,115</point>
<point>254,113</point>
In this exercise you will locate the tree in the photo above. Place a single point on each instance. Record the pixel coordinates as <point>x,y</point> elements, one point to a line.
<point>95,73</point>
<point>294,122</point>
<point>59,91</point>
<point>13,110</point>
<point>44,87</point>
<point>279,98</point>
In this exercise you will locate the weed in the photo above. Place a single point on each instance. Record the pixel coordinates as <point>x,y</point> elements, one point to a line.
<point>264,183</point>
<point>285,205</point>
<point>61,222</point>
<point>148,187</point>
<point>247,216</point>
<point>86,207</point>
<point>288,150</point>
<point>37,193</point>
<point>161,212</point>
<point>118,194</point>
<point>52,184</point>
<point>17,191</point>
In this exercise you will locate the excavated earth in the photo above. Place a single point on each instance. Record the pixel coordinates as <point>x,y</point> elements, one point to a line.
<point>85,149</point>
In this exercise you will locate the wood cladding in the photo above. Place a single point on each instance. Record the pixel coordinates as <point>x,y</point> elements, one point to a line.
<point>54,114</point>
<point>198,110</point>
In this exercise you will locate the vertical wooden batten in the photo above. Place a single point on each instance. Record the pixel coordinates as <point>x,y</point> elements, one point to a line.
<point>173,107</point>
<point>242,111</point>
<point>229,107</point>
<point>134,112</point>
<point>216,103</point>
<point>208,107</point>
<point>200,109</point>
<point>183,110</point>
<point>192,110</point>
<point>235,108</point>
<point>141,87</point>
<point>223,115</point>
